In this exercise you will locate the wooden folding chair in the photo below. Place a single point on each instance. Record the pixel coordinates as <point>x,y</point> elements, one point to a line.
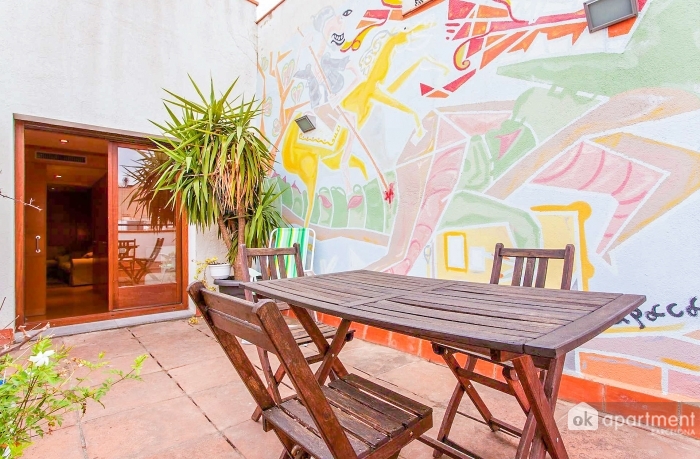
<point>535,263</point>
<point>349,418</point>
<point>274,265</point>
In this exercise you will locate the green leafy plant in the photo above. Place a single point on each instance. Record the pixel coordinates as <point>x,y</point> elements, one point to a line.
<point>261,218</point>
<point>38,389</point>
<point>214,165</point>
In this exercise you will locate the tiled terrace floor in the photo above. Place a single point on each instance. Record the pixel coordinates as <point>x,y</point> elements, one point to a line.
<point>191,404</point>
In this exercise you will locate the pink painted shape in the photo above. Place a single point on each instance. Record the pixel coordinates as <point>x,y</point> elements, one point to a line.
<point>506,141</point>
<point>447,134</point>
<point>456,84</point>
<point>325,201</point>
<point>444,175</point>
<point>459,9</point>
<point>684,384</point>
<point>591,168</point>
<point>355,201</point>
<point>478,123</point>
<point>425,89</point>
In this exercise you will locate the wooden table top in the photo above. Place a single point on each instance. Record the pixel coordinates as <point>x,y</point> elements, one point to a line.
<point>525,320</point>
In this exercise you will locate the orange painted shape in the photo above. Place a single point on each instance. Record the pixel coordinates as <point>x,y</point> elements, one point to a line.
<point>525,43</point>
<point>690,411</point>
<point>492,53</point>
<point>577,390</point>
<point>438,95</point>
<point>694,334</point>
<point>491,12</point>
<point>479,28</point>
<point>629,403</point>
<point>376,336</point>
<point>365,23</point>
<point>575,30</point>
<point>6,336</point>
<point>396,15</point>
<point>426,352</point>
<point>403,343</point>
<point>494,38</point>
<point>621,28</point>
<point>623,370</point>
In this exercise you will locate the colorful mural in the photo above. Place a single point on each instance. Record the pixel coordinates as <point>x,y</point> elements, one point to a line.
<point>467,123</point>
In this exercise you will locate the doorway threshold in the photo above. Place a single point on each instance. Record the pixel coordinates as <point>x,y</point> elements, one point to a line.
<point>110,324</point>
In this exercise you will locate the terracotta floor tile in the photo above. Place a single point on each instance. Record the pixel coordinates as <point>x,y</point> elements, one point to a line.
<point>226,405</point>
<point>114,343</point>
<point>168,328</point>
<point>142,432</point>
<point>156,419</point>
<point>249,438</point>
<point>204,374</point>
<point>172,351</point>
<point>207,447</point>
<point>61,444</point>
<point>376,360</point>
<point>126,395</point>
<point>123,363</point>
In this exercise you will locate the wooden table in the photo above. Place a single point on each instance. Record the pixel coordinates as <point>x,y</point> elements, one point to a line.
<point>520,325</point>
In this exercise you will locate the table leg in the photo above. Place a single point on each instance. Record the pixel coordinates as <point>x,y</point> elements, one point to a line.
<point>333,350</point>
<point>551,391</point>
<point>540,404</point>
<point>316,336</point>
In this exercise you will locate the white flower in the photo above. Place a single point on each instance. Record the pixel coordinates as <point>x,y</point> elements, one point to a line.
<point>7,452</point>
<point>42,358</point>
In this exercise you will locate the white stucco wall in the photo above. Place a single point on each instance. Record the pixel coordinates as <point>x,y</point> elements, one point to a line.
<point>104,63</point>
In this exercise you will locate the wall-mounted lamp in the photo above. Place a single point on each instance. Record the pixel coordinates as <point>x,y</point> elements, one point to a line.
<point>604,13</point>
<point>306,123</point>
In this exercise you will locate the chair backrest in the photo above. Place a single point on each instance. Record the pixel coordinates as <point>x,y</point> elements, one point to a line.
<point>262,324</point>
<point>274,263</point>
<point>126,248</point>
<point>534,261</point>
<point>286,237</point>
<point>156,250</point>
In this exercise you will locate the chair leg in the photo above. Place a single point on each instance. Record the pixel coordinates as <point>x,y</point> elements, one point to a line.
<point>272,384</point>
<point>469,388</point>
<point>449,417</point>
<point>279,375</point>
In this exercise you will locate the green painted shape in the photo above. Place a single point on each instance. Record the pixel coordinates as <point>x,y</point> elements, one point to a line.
<point>520,147</point>
<point>298,207</point>
<point>375,206</point>
<point>325,213</point>
<point>476,169</point>
<point>356,215</point>
<point>547,111</point>
<point>340,208</point>
<point>315,212</point>
<point>467,209</point>
<point>664,51</point>
<point>287,197</point>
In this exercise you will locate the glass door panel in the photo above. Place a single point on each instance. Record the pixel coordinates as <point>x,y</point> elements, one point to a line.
<point>147,262</point>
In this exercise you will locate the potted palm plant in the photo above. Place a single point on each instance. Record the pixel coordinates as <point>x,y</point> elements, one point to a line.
<point>211,165</point>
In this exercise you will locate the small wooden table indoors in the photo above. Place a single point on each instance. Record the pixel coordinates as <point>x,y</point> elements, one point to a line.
<point>530,328</point>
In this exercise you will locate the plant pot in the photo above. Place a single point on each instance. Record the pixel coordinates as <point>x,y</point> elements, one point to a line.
<point>220,271</point>
<point>230,287</point>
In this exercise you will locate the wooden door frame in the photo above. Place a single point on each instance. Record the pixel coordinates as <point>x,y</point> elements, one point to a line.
<point>113,233</point>
<point>21,124</point>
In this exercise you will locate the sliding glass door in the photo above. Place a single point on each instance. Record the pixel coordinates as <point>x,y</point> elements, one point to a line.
<point>146,237</point>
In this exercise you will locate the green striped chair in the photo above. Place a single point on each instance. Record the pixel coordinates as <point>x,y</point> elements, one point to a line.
<point>283,238</point>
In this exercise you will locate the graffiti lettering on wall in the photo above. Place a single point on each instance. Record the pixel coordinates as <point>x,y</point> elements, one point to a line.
<point>464,124</point>
<point>657,311</point>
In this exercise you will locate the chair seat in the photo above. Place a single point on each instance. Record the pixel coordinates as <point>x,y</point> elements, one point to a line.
<point>372,415</point>
<point>302,337</point>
